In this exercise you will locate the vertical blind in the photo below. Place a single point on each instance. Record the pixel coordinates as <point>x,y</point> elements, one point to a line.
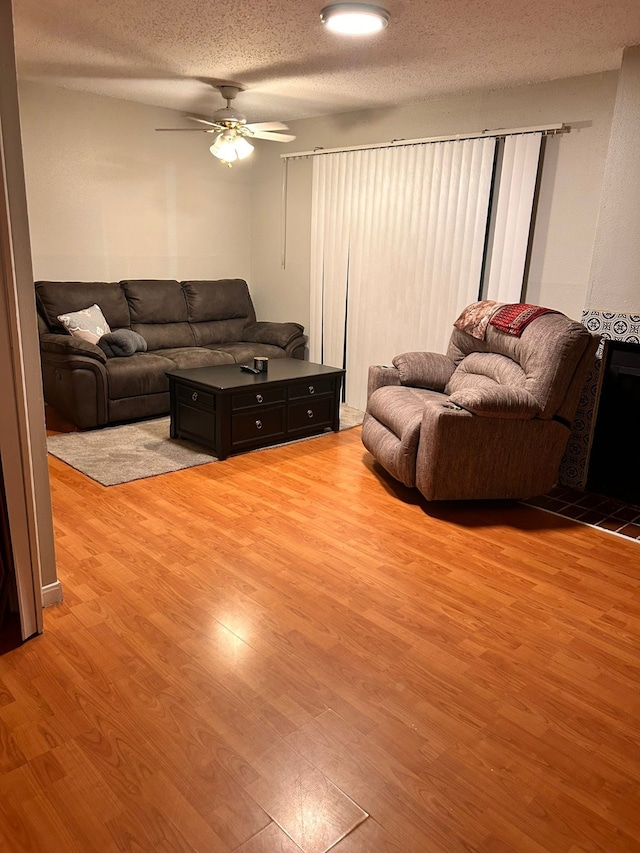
<point>398,239</point>
<point>510,235</point>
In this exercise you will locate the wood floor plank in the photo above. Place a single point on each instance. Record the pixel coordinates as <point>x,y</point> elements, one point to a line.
<point>312,811</point>
<point>405,803</point>
<point>271,839</point>
<point>369,836</point>
<point>294,620</point>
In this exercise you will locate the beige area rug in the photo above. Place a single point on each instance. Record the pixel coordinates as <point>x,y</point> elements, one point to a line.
<point>120,454</point>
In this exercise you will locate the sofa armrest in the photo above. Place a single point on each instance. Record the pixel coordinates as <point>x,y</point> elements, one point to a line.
<point>424,369</point>
<point>69,345</point>
<point>276,334</point>
<point>503,401</point>
<point>381,375</point>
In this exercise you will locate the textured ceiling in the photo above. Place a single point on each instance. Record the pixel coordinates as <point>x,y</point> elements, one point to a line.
<point>162,52</point>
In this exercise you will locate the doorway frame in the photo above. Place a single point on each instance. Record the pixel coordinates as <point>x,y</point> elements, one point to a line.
<point>22,423</point>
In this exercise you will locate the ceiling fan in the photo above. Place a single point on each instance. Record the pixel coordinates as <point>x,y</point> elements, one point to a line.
<point>233,132</point>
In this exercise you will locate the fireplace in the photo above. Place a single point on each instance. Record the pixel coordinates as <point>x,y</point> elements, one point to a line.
<point>612,462</point>
<point>611,326</point>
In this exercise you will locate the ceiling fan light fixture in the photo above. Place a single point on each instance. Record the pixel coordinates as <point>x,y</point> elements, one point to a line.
<point>243,147</point>
<point>354,18</point>
<point>232,130</point>
<point>230,146</point>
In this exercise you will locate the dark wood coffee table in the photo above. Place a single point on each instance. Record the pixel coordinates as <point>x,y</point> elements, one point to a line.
<point>229,411</point>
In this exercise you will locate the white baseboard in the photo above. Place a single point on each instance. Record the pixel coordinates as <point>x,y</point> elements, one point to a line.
<point>52,594</point>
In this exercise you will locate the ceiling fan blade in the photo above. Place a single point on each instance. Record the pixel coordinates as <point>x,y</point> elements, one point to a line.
<point>267,125</point>
<point>197,129</point>
<point>274,137</point>
<point>202,120</point>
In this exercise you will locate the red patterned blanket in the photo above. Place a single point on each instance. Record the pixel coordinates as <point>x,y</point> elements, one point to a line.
<point>514,318</point>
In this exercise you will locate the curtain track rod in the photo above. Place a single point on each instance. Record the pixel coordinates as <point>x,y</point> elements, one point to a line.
<point>547,129</point>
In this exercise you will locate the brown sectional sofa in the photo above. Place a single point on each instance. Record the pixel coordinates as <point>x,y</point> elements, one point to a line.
<point>185,324</point>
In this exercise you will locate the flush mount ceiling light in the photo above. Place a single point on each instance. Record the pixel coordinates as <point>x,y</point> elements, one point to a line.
<point>354,19</point>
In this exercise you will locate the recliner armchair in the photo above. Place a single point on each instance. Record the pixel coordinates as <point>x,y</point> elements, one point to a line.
<point>488,420</point>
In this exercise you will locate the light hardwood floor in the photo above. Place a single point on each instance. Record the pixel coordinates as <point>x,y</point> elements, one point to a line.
<point>287,642</point>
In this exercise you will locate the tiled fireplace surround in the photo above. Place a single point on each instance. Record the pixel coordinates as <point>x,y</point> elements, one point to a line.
<point>568,498</point>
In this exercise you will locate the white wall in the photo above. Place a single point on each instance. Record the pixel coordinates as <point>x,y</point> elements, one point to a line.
<point>615,274</point>
<point>109,198</point>
<point>569,197</point>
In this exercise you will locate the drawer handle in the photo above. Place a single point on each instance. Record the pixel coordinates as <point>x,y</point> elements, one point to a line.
<point>194,396</point>
<point>259,398</point>
<point>312,390</point>
<point>258,424</point>
<point>309,413</point>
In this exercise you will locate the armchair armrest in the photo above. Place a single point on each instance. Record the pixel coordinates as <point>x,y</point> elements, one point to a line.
<point>277,334</point>
<point>502,401</point>
<point>70,346</point>
<point>424,369</point>
<point>381,375</point>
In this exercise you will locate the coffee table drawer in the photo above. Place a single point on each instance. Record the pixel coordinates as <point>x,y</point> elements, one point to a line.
<point>257,426</point>
<point>311,388</point>
<point>196,399</point>
<point>259,397</point>
<point>310,414</point>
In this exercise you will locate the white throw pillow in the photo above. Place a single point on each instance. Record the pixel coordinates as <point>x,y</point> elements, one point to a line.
<point>88,324</point>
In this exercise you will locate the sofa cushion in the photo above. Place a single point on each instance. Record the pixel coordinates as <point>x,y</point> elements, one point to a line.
<point>155,301</point>
<point>142,373</point>
<point>214,332</point>
<point>185,357</point>
<point>61,297</point>
<point>224,299</point>
<point>161,336</point>
<point>88,324</point>
<point>243,353</point>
